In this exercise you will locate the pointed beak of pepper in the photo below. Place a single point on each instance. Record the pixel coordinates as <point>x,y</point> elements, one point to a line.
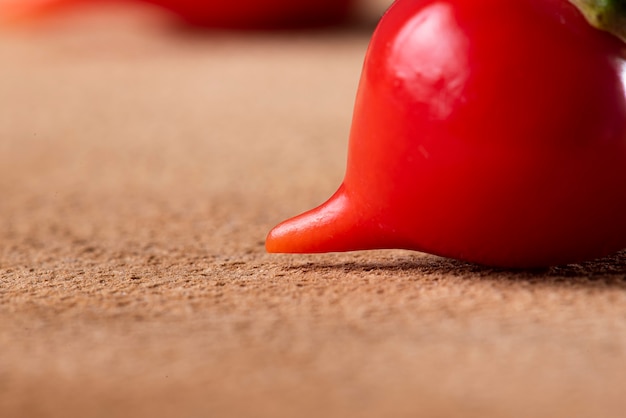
<point>334,226</point>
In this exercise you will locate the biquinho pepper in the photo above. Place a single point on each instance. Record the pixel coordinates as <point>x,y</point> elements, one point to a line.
<point>487,131</point>
<point>237,14</point>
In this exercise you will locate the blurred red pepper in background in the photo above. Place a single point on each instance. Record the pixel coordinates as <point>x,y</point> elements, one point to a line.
<point>236,14</point>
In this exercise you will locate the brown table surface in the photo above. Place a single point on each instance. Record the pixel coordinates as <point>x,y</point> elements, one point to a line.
<point>141,166</point>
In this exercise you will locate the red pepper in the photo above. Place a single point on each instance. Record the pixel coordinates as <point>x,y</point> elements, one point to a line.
<point>239,14</point>
<point>258,13</point>
<point>487,131</point>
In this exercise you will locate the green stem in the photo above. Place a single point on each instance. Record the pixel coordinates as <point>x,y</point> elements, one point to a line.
<point>607,15</point>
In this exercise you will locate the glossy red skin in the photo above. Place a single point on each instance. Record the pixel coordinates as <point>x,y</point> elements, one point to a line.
<point>235,14</point>
<point>488,131</point>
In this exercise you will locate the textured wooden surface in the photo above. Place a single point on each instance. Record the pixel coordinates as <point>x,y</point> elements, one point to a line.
<point>140,168</point>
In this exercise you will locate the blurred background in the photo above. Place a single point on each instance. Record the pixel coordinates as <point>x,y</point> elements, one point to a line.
<point>124,98</point>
